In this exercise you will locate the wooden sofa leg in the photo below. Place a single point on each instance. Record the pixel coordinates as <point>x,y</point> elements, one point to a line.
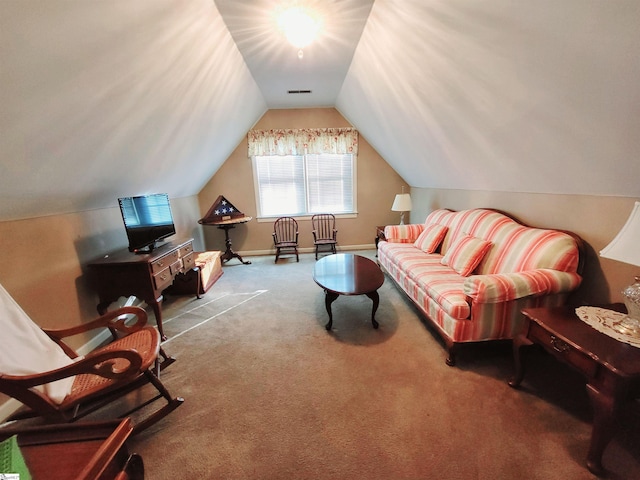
<point>451,349</point>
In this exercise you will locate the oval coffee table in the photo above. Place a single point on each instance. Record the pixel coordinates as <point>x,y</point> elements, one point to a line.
<point>348,274</point>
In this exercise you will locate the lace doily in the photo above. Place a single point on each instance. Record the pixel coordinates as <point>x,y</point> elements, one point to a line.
<point>604,320</point>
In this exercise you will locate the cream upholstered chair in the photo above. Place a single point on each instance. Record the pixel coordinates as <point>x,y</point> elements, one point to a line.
<point>52,381</point>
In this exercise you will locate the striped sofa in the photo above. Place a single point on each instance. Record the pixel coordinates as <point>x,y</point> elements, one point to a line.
<point>472,272</point>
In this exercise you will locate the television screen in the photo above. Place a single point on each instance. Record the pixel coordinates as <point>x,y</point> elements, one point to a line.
<point>147,219</point>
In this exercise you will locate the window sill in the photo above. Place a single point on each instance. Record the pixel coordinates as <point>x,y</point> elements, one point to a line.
<point>304,217</point>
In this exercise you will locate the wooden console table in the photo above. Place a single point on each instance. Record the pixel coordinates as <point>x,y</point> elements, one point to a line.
<point>80,451</point>
<point>611,367</point>
<point>146,275</point>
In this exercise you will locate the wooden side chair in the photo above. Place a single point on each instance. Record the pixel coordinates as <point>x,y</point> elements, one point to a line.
<point>285,236</point>
<point>324,232</point>
<point>41,371</point>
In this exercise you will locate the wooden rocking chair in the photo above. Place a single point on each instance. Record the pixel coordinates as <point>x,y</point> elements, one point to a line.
<point>285,236</point>
<point>324,232</point>
<point>42,372</point>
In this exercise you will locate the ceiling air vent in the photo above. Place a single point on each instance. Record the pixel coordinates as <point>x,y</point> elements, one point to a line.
<point>299,91</point>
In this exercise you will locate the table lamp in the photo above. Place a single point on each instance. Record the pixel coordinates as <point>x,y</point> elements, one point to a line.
<point>625,247</point>
<point>402,203</point>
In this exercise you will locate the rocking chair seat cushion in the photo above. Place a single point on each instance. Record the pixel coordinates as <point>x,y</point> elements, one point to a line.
<point>145,341</point>
<point>25,349</point>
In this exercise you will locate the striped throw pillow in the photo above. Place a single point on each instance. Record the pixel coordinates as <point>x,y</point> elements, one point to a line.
<point>431,237</point>
<point>465,254</point>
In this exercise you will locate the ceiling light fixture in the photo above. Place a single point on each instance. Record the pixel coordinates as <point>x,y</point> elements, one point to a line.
<point>300,26</point>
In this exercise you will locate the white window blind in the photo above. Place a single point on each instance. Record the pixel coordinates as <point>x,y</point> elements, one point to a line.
<point>296,185</point>
<point>329,183</point>
<point>281,185</point>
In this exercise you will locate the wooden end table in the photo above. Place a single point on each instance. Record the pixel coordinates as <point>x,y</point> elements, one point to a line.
<point>348,274</point>
<point>611,367</point>
<point>82,451</point>
<point>227,225</point>
<point>379,234</point>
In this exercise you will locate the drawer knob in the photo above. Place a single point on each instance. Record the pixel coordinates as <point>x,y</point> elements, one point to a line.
<point>558,345</point>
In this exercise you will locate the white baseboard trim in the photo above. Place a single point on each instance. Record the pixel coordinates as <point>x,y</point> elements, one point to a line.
<point>249,253</point>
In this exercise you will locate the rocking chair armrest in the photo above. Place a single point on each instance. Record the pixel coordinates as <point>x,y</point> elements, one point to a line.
<point>109,320</point>
<point>101,363</point>
<point>315,236</point>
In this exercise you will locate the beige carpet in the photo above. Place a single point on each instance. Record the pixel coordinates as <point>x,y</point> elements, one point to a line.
<point>270,394</point>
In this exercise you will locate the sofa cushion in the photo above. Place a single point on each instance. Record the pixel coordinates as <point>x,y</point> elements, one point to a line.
<point>403,233</point>
<point>430,238</point>
<point>419,272</point>
<point>516,247</point>
<point>465,254</point>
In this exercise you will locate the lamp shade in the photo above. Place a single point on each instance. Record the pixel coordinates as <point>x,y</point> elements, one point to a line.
<point>625,247</point>
<point>402,203</point>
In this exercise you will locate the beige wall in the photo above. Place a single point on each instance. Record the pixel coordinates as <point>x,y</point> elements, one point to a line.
<point>377,185</point>
<point>596,219</point>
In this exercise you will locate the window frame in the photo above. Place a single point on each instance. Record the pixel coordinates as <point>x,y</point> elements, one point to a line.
<point>306,216</point>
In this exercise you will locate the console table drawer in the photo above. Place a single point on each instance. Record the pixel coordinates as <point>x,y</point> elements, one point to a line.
<point>188,261</point>
<point>176,267</point>
<point>164,262</point>
<point>563,351</point>
<point>186,249</point>
<point>163,279</point>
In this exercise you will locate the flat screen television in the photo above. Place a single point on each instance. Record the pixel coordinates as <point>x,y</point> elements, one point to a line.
<point>147,220</point>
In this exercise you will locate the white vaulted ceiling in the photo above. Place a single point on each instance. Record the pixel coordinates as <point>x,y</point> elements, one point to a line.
<point>274,62</point>
<point>113,97</point>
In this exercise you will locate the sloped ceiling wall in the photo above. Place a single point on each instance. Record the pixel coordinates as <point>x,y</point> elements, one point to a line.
<point>502,95</point>
<point>109,98</point>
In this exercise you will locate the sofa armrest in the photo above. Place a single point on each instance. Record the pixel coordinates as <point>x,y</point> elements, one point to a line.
<point>403,233</point>
<point>502,287</point>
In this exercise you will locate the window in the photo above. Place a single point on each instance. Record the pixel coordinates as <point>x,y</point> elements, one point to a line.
<point>296,185</point>
<point>302,172</point>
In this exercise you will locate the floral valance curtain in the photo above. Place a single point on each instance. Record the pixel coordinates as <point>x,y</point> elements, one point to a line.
<point>303,141</point>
